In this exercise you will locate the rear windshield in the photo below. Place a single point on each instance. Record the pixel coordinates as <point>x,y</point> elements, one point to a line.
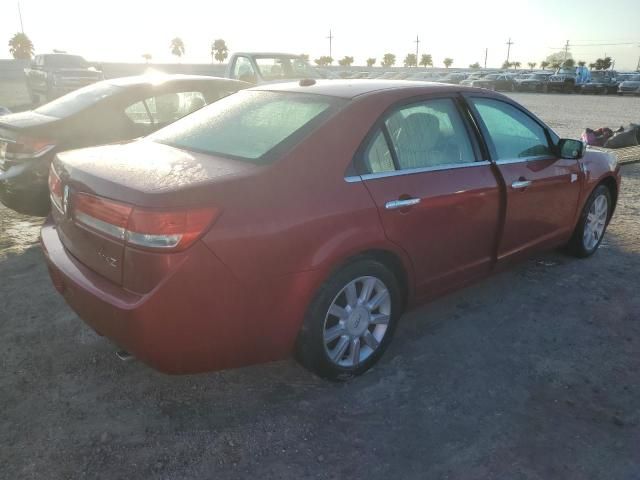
<point>78,100</point>
<point>249,125</point>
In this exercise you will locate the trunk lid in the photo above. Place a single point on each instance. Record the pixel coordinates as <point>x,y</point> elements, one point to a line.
<point>139,174</point>
<point>28,119</point>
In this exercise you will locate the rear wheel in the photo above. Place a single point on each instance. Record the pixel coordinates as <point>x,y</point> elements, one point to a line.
<point>592,223</point>
<point>351,320</point>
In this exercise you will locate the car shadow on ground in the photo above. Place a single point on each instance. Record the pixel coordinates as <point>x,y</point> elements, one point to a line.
<point>531,373</point>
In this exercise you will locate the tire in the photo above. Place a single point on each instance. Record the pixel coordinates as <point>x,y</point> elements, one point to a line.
<point>344,320</point>
<point>581,244</point>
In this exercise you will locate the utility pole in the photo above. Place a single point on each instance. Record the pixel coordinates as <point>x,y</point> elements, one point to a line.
<point>486,54</point>
<point>20,15</point>
<point>566,51</point>
<point>417,44</point>
<point>509,43</point>
<point>330,37</point>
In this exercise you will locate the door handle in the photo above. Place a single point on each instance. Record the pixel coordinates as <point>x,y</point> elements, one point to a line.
<point>395,204</point>
<point>521,184</point>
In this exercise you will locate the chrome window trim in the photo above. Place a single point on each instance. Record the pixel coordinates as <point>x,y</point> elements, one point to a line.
<point>412,171</point>
<point>524,159</point>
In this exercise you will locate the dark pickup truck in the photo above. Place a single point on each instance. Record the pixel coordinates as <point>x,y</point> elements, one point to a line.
<point>52,75</point>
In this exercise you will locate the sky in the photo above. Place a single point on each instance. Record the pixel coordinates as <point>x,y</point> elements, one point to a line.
<point>122,30</point>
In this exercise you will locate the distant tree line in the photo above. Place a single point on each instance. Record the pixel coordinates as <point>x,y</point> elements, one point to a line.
<point>21,48</point>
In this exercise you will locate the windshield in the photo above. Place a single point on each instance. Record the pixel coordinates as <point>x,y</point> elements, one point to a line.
<point>492,76</point>
<point>65,61</point>
<point>248,125</point>
<point>78,100</point>
<point>276,68</point>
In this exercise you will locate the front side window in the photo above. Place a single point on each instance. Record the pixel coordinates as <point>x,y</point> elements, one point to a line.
<point>249,124</point>
<point>513,133</point>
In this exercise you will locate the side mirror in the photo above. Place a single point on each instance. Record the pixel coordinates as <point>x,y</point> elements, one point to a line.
<point>571,149</point>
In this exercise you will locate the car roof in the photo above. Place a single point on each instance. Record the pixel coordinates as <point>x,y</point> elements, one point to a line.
<point>160,78</point>
<point>353,88</point>
<point>267,54</point>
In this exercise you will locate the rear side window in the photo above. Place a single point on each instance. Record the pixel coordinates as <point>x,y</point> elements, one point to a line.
<point>513,133</point>
<point>429,134</point>
<point>249,124</point>
<point>165,108</point>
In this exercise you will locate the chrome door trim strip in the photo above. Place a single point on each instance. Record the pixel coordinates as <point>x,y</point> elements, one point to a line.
<point>524,159</point>
<point>412,171</point>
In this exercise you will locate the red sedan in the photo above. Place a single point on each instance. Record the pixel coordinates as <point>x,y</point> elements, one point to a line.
<point>305,217</point>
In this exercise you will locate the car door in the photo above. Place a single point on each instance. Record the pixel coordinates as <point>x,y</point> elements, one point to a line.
<point>437,198</point>
<point>542,189</point>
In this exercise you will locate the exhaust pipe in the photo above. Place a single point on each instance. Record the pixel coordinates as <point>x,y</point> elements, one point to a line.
<point>125,356</point>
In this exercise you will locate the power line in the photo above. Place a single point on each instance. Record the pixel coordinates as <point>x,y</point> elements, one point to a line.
<point>20,15</point>
<point>509,43</point>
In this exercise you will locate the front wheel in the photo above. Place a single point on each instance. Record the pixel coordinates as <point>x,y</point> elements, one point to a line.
<point>351,320</point>
<point>592,223</point>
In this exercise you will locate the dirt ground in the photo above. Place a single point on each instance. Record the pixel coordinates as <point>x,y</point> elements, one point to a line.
<point>531,374</point>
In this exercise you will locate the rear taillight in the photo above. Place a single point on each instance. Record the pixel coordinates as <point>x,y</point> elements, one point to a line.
<point>28,147</point>
<point>55,188</point>
<point>171,230</point>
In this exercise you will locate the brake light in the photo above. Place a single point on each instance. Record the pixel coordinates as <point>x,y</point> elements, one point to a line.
<point>172,230</point>
<point>103,215</point>
<point>28,147</point>
<point>55,188</point>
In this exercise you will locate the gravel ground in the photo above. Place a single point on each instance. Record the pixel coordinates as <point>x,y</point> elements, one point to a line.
<point>570,114</point>
<point>531,374</point>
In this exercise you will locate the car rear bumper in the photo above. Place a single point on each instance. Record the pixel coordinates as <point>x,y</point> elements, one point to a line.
<point>199,318</point>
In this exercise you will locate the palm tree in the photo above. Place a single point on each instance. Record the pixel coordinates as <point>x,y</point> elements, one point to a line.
<point>219,50</point>
<point>582,63</point>
<point>475,65</point>
<point>516,65</point>
<point>544,64</point>
<point>426,60</point>
<point>177,47</point>
<point>448,62</point>
<point>506,65</point>
<point>532,65</point>
<point>21,47</point>
<point>147,57</point>
<point>371,62</point>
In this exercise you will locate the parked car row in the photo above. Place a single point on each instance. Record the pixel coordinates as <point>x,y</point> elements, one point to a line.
<point>563,80</point>
<point>224,226</point>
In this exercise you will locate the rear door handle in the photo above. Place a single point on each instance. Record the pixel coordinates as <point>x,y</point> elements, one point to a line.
<point>395,204</point>
<point>521,184</point>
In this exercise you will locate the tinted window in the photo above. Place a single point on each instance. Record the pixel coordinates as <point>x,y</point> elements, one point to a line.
<point>248,124</point>
<point>65,61</point>
<point>429,134</point>
<point>514,134</point>
<point>78,100</point>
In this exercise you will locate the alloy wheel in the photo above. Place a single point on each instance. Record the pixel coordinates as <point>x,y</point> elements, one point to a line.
<point>595,222</point>
<point>357,321</point>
